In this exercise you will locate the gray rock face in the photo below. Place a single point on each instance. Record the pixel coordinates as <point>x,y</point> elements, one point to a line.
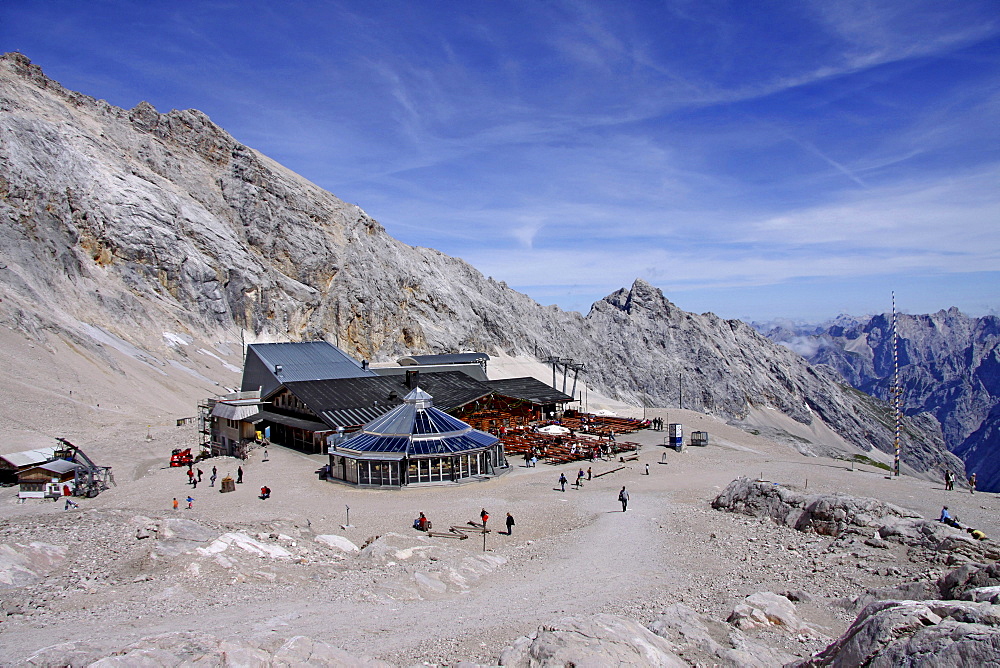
<point>26,564</point>
<point>191,648</point>
<point>592,642</point>
<point>969,582</point>
<point>949,367</point>
<point>706,641</point>
<point>825,514</point>
<point>126,222</point>
<point>914,633</point>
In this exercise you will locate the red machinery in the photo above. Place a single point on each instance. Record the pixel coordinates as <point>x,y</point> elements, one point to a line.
<point>181,457</point>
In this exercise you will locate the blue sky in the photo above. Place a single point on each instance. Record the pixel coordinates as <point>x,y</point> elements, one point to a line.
<point>753,159</point>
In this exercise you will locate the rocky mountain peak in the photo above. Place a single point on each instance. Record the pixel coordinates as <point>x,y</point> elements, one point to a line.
<point>139,222</point>
<point>641,297</point>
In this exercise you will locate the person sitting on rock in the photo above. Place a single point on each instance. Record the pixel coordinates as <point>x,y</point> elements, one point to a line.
<point>948,519</point>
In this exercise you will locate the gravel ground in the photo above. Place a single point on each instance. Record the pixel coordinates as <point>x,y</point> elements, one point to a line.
<point>123,577</point>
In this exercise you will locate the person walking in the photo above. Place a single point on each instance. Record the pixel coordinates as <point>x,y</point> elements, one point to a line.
<point>562,481</point>
<point>949,480</point>
<point>647,468</point>
<point>579,478</point>
<point>510,524</point>
<point>590,472</point>
<point>239,475</point>
<point>623,497</point>
<point>211,481</point>
<point>175,503</point>
<point>265,455</point>
<point>972,484</point>
<point>190,502</point>
<point>484,516</point>
<point>70,503</point>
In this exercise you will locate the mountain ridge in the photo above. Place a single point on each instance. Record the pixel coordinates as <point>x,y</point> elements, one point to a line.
<point>142,222</point>
<point>949,366</point>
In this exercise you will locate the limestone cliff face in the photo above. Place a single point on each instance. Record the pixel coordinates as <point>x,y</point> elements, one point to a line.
<point>949,366</point>
<point>140,222</point>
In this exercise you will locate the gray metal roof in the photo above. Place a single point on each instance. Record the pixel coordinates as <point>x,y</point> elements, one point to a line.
<point>19,460</point>
<point>473,371</point>
<point>289,421</point>
<point>236,411</point>
<point>268,365</point>
<point>349,402</point>
<point>446,358</point>
<point>529,389</point>
<point>60,466</point>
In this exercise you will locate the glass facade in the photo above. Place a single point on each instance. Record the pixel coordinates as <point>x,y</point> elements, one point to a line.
<point>416,470</point>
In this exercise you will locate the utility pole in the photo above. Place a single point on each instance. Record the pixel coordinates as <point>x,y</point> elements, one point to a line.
<point>896,390</point>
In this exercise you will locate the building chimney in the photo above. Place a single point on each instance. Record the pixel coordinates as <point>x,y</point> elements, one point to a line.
<point>277,368</point>
<point>412,378</point>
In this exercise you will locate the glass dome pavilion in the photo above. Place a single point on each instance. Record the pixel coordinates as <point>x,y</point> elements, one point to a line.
<point>415,443</point>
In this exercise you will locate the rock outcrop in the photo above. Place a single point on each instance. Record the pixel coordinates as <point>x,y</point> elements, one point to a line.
<point>826,514</point>
<point>185,648</point>
<point>706,641</point>
<point>119,225</point>
<point>601,640</point>
<point>908,633</point>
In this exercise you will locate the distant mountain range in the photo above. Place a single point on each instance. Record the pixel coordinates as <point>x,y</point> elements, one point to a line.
<point>949,366</point>
<point>131,223</point>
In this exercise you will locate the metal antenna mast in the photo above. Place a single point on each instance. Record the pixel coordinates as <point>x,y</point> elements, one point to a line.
<point>897,391</point>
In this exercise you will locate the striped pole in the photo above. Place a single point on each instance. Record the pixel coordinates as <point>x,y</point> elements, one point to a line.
<point>896,390</point>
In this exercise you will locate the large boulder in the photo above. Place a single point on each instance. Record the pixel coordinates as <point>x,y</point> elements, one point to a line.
<point>709,642</point>
<point>766,609</point>
<point>176,536</point>
<point>591,642</point>
<point>828,514</point>
<point>916,633</point>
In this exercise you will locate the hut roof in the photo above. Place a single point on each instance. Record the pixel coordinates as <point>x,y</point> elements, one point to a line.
<point>268,365</point>
<point>20,460</point>
<point>347,402</point>
<point>446,358</point>
<point>529,389</point>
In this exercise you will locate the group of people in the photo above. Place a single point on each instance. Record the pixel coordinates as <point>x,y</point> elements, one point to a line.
<point>579,478</point>
<point>424,524</point>
<point>657,424</point>
<point>946,518</point>
<point>949,481</point>
<point>189,500</point>
<point>622,495</point>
